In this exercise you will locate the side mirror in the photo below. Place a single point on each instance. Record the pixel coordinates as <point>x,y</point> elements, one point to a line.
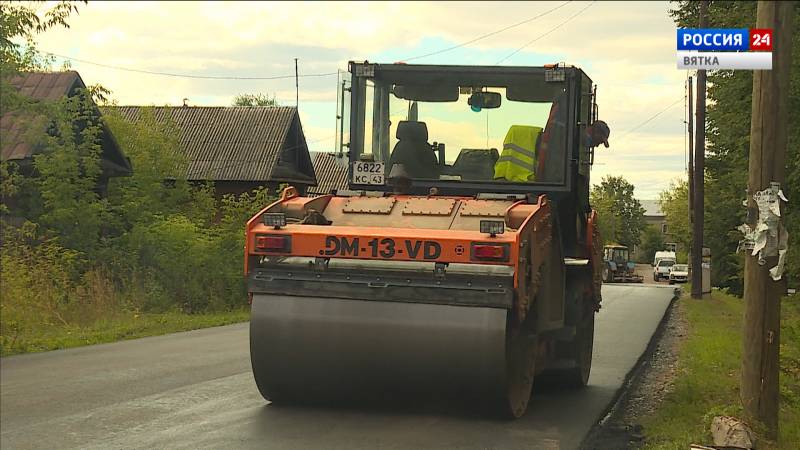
<point>481,100</point>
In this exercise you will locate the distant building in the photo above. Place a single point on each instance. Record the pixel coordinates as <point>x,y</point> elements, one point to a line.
<point>331,171</point>
<point>653,215</point>
<point>239,148</point>
<point>14,127</point>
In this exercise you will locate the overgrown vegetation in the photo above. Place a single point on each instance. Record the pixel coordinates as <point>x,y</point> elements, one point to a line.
<point>707,384</point>
<point>255,100</point>
<point>652,242</point>
<point>80,265</point>
<point>674,203</point>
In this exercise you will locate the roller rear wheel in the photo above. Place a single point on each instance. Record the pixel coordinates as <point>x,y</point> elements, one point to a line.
<point>581,349</point>
<point>520,360</point>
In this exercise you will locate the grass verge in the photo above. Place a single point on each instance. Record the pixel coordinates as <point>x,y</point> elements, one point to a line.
<point>708,377</point>
<point>123,326</point>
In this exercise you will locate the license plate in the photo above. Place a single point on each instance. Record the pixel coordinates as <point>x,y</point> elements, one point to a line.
<point>368,172</point>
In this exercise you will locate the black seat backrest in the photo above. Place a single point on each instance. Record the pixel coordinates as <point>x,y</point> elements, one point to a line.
<point>476,163</point>
<point>413,151</point>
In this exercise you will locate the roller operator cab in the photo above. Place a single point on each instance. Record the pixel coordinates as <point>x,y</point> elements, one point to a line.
<point>464,257</point>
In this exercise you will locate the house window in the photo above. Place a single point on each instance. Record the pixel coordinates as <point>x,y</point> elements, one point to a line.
<point>664,228</point>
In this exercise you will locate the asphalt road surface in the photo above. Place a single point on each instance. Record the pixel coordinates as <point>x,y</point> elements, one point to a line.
<point>195,390</point>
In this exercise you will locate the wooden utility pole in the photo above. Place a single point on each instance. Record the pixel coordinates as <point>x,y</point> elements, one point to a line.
<point>768,140</point>
<point>699,173</point>
<point>296,86</point>
<point>691,146</point>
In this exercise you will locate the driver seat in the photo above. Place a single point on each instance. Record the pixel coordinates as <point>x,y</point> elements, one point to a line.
<point>413,151</point>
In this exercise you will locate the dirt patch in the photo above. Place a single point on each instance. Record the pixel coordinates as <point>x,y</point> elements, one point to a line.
<point>647,388</point>
<point>646,271</point>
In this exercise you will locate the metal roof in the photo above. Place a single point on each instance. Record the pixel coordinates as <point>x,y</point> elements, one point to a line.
<point>331,172</point>
<point>238,143</point>
<point>50,87</point>
<point>38,86</point>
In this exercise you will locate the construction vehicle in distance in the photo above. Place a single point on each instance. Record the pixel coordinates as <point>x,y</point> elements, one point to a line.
<point>430,271</point>
<point>618,267</point>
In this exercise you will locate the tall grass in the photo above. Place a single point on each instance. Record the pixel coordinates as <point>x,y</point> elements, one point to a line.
<point>707,384</point>
<point>165,267</point>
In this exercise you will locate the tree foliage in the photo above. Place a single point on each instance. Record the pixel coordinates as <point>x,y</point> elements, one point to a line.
<point>674,203</point>
<point>621,215</point>
<point>652,242</point>
<point>728,136</point>
<point>254,100</point>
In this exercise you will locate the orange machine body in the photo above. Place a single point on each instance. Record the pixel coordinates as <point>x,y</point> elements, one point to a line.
<point>440,229</point>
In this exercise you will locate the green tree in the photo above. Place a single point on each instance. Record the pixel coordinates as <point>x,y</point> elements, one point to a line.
<point>652,241</point>
<point>728,135</point>
<point>621,215</point>
<point>254,100</point>
<point>67,169</point>
<point>674,202</point>
<point>19,24</point>
<point>158,185</point>
<point>62,195</point>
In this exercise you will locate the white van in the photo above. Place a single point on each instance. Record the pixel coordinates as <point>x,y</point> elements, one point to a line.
<point>662,262</point>
<point>664,255</point>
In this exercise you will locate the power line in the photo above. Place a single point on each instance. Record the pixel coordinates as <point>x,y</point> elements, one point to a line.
<point>437,52</point>
<point>183,75</point>
<point>650,118</point>
<point>546,33</point>
<point>280,77</point>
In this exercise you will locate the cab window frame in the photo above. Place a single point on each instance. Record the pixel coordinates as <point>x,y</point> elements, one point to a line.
<point>394,74</point>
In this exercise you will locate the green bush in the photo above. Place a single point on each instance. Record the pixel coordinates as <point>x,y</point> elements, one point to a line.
<point>194,268</point>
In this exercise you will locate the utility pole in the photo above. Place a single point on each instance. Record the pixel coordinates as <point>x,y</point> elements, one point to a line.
<point>296,86</point>
<point>699,171</point>
<point>691,146</point>
<point>768,141</point>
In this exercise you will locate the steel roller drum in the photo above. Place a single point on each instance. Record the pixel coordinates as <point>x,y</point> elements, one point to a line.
<point>316,348</point>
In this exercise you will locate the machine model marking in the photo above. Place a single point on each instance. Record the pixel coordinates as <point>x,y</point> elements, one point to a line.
<point>381,248</point>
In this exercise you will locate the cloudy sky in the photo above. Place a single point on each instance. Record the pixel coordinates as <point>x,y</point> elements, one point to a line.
<point>627,48</point>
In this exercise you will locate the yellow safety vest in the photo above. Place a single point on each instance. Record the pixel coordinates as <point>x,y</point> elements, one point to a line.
<point>517,162</point>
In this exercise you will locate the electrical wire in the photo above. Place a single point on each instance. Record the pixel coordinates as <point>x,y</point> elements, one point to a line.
<point>281,77</point>
<point>545,33</point>
<point>183,75</point>
<point>484,36</point>
<point>650,119</point>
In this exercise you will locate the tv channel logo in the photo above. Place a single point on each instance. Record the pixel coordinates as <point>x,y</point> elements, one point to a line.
<point>724,48</point>
<point>713,39</point>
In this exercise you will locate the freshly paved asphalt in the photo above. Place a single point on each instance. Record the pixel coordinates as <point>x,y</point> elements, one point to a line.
<point>195,390</point>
